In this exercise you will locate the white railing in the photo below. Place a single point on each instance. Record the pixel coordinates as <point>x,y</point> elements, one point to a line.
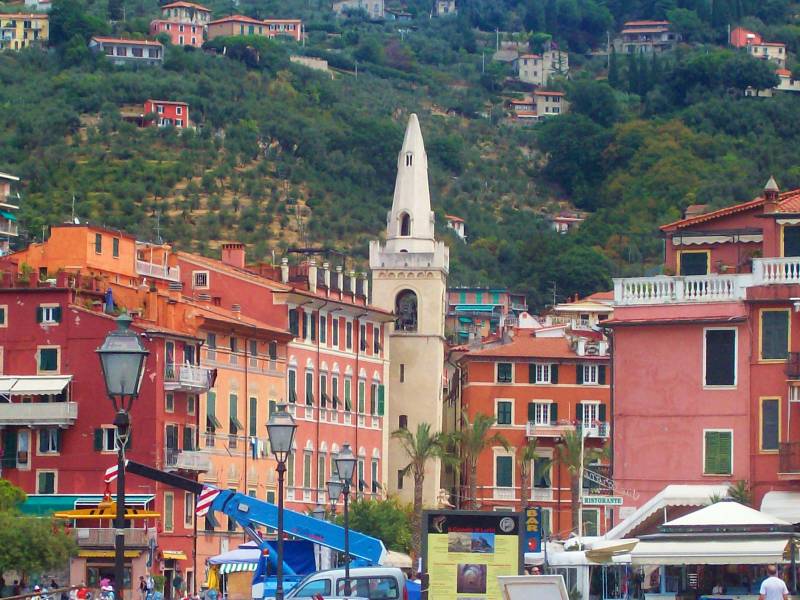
<point>191,376</point>
<point>8,228</point>
<point>160,271</point>
<point>776,270</point>
<point>548,430</point>
<point>675,290</point>
<point>505,493</point>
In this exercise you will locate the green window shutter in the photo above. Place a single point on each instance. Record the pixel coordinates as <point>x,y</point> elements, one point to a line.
<point>59,440</point>
<point>381,400</point>
<point>724,463</point>
<point>305,326</point>
<point>293,322</point>
<point>313,328</point>
<point>503,467</point>
<point>531,372</point>
<point>770,426</point>
<point>43,438</point>
<point>98,440</point>
<point>531,411</point>
<point>775,334</point>
<point>188,442</point>
<point>579,374</point>
<point>57,314</point>
<point>579,413</point>
<point>39,314</point>
<point>601,413</point>
<point>553,413</point>
<point>712,452</point>
<point>601,374</point>
<point>554,373</point>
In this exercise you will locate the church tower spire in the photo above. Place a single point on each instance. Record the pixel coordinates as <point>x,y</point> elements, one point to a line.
<point>409,225</point>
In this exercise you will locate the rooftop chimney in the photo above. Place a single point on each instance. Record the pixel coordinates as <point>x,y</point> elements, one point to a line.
<point>233,254</point>
<point>312,275</point>
<point>285,270</point>
<point>339,278</point>
<point>326,274</point>
<point>771,196</point>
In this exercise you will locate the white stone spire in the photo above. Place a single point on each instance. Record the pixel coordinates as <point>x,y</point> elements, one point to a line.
<point>409,225</point>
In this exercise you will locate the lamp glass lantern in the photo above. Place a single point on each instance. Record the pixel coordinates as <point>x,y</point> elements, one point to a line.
<point>346,463</point>
<point>122,358</point>
<point>335,487</point>
<point>280,429</point>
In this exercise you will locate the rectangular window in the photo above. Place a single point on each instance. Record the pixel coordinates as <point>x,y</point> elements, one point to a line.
<point>362,392</point>
<point>720,357</point>
<point>188,510</point>
<point>591,521</point>
<point>290,470</point>
<point>45,482</point>
<point>211,345</point>
<point>348,328</point>
<point>504,373</point>
<point>115,247</point>
<point>589,374</point>
<point>402,373</point>
<point>313,321</point>
<point>376,340</point>
<point>323,333</point>
<point>321,472</point>
<point>335,391</point>
<point>98,238</point>
<point>234,350</point>
<point>200,280</point>
<point>305,325</point>
<point>48,314</point>
<point>400,478</point>
<point>169,402</point>
<point>50,440</point>
<point>188,438</point>
<point>335,332</point>
<point>294,322</point>
<point>770,424</point>
<point>252,417</point>
<point>191,403</point>
<point>775,334</point>
<point>504,410</point>
<point>234,425</point>
<point>48,360</point>
<point>291,378</point>
<point>253,351</point>
<point>306,470</point>
<point>718,452</point>
<point>373,398</point>
<point>503,471</point>
<point>541,373</point>
<point>362,338</point>
<point>323,390</point>
<point>169,511</point>
<point>542,466</point>
<point>3,313</point>
<point>309,388</point>
<point>539,413</point>
<point>348,406</point>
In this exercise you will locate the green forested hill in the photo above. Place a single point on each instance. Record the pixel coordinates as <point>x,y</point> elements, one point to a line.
<point>284,155</point>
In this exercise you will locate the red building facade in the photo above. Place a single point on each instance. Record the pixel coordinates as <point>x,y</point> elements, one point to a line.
<point>167,113</point>
<point>538,389</point>
<point>718,341</point>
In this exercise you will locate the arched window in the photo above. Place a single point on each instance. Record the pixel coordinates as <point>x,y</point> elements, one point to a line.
<point>406,310</point>
<point>405,225</point>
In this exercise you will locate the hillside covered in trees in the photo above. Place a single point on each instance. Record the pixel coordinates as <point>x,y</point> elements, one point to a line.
<point>285,155</point>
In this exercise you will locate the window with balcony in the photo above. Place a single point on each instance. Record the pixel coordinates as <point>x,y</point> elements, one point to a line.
<point>252,417</point>
<point>770,424</point>
<point>48,359</point>
<point>791,240</point>
<point>504,471</point>
<point>45,482</point>
<point>188,438</point>
<point>505,372</point>
<point>253,352</point>
<point>291,379</point>
<point>48,314</point>
<point>719,359</point>
<point>542,413</point>
<point>323,390</point>
<point>309,388</point>
<point>543,373</point>
<point>211,346</point>
<point>335,391</point>
<point>504,412</point>
<point>775,334</point>
<point>234,350</point>
<point>50,440</point>
<point>272,351</point>
<point>718,452</point>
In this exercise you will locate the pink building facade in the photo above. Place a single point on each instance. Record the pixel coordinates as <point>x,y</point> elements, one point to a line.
<point>706,360</point>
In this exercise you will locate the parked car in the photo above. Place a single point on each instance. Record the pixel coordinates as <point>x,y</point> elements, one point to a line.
<point>371,583</point>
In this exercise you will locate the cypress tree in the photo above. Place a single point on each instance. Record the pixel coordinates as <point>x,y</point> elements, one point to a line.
<point>613,69</point>
<point>633,74</point>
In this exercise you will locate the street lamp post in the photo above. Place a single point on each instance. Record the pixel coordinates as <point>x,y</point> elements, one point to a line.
<point>345,465</point>
<point>122,358</point>
<point>280,429</point>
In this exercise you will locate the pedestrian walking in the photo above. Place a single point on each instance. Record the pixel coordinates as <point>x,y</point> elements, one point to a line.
<point>37,593</point>
<point>15,588</point>
<point>773,587</point>
<point>150,584</point>
<point>177,585</point>
<point>142,588</point>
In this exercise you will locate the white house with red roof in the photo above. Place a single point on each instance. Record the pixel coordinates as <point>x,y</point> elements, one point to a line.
<point>456,224</point>
<point>122,51</point>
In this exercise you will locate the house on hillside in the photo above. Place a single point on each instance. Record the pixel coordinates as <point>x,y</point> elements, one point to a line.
<point>566,221</point>
<point>771,51</point>
<point>8,220</point>
<point>184,22</point>
<point>375,9</point>
<point>168,113</point>
<point>787,83</point>
<point>537,69</point>
<point>444,8</point>
<point>122,51</point>
<point>457,225</point>
<point>393,14</point>
<point>539,105</point>
<point>741,37</point>
<point>18,31</point>
<point>242,25</point>
<point>646,37</point>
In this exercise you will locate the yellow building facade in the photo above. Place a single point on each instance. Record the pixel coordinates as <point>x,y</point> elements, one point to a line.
<point>18,31</point>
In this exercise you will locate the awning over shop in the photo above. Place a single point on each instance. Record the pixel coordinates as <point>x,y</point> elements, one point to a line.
<point>237,567</point>
<point>693,551</point>
<point>33,385</point>
<point>8,215</point>
<point>782,505</point>
<point>47,504</point>
<point>106,553</point>
<point>476,307</point>
<point>603,551</point>
<point>174,555</point>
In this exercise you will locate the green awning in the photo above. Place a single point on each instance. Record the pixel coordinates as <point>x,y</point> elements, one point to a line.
<point>476,307</point>
<point>40,505</point>
<point>465,319</point>
<point>8,215</point>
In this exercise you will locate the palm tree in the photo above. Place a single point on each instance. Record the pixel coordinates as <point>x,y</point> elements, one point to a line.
<point>420,448</point>
<point>568,452</point>
<point>472,440</point>
<point>526,457</point>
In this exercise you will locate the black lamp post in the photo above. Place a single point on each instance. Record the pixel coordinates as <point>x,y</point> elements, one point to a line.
<point>280,429</point>
<point>345,465</point>
<point>122,358</point>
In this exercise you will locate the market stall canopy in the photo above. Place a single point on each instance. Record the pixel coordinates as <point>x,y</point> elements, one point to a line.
<point>783,505</point>
<point>726,516</point>
<point>245,553</point>
<point>603,551</point>
<point>693,551</point>
<point>397,559</point>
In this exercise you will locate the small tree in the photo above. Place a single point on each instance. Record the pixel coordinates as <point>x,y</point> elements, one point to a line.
<point>526,457</point>
<point>472,440</point>
<point>419,448</point>
<point>388,520</point>
<point>568,453</point>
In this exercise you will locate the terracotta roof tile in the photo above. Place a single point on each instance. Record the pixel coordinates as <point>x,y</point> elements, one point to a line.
<point>186,5</point>
<point>715,214</point>
<point>112,40</point>
<point>525,345</point>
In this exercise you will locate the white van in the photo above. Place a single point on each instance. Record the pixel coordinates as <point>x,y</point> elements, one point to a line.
<point>372,583</point>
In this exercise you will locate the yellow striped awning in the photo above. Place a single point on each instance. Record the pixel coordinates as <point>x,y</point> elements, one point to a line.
<point>174,555</point>
<point>106,553</point>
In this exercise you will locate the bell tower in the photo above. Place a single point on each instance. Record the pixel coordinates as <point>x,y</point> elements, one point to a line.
<point>409,278</point>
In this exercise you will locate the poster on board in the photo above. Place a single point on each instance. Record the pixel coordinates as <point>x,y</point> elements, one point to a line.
<point>465,551</point>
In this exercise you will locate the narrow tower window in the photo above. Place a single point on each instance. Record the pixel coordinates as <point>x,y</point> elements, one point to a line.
<point>405,225</point>
<point>409,158</point>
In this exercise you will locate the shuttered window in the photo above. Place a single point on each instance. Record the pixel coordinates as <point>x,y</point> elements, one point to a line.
<point>504,413</point>
<point>504,471</point>
<point>774,334</point>
<point>720,357</point>
<point>718,453</point>
<point>504,373</point>
<point>694,263</point>
<point>770,423</point>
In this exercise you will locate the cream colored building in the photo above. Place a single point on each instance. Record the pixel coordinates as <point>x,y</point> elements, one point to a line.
<point>772,51</point>
<point>409,277</point>
<point>539,68</point>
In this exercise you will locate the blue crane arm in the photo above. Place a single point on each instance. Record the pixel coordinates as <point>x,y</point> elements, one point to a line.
<point>250,512</point>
